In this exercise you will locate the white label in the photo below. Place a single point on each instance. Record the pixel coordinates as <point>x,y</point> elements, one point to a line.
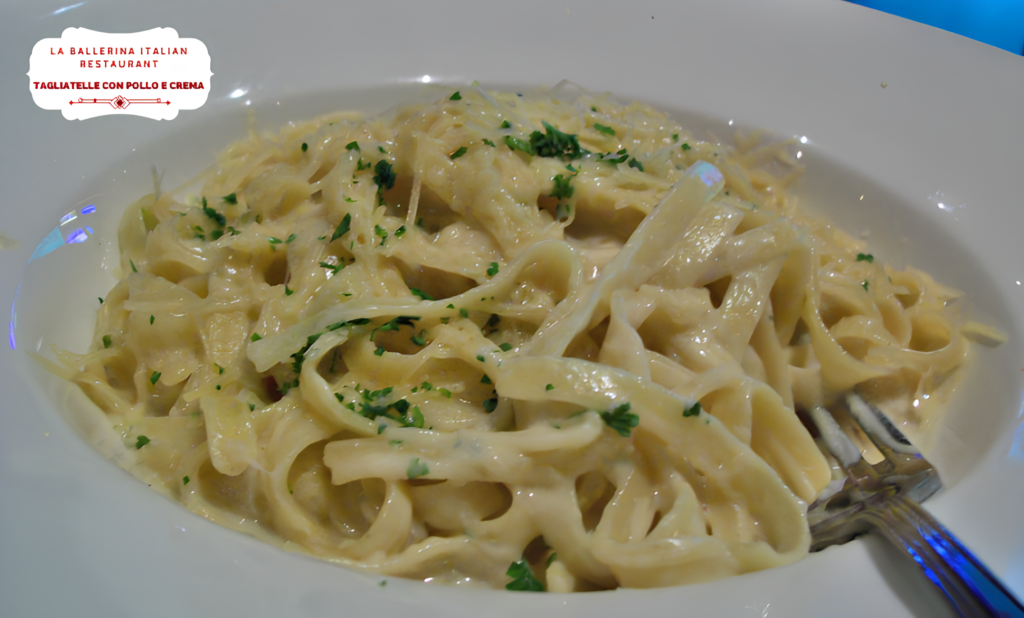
<point>86,73</point>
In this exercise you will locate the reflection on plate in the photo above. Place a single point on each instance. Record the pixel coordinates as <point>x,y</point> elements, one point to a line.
<point>71,521</point>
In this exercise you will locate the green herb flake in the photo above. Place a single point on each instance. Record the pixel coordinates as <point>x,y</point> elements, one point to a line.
<point>451,306</point>
<point>217,387</point>
<point>480,357</point>
<point>101,299</point>
<point>379,351</point>
<point>489,142</point>
<point>140,442</point>
<point>343,227</point>
<point>492,269</point>
<point>444,391</point>
<point>865,285</point>
<point>486,379</point>
<point>505,347</point>
<point>252,407</point>
<point>384,176</point>
<point>562,190</point>
<point>153,377</point>
<point>420,294</point>
<point>621,419</point>
<point>394,442</point>
<point>334,269</point>
<point>463,312</point>
<point>185,480</point>
<point>549,387</point>
<point>634,163</point>
<point>865,257</point>
<point>675,137</point>
<point>505,124</point>
<point>693,410</point>
<point>290,238</point>
<point>603,129</point>
<point>379,231</point>
<point>522,578</point>
<point>305,146</point>
<point>427,386</point>
<point>458,153</point>
<point>618,157</point>
<point>230,198</point>
<point>352,146</point>
<point>490,404</point>
<point>287,290</point>
<point>381,149</point>
<point>419,339</point>
<point>686,146</point>
<point>218,218</point>
<point>514,143</point>
<point>554,143</point>
<point>134,270</point>
<point>106,341</point>
<point>417,469</point>
<point>381,428</point>
<point>275,241</point>
<point>455,97</point>
<point>255,337</point>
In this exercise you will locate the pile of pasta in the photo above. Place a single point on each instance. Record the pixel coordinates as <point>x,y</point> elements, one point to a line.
<point>508,340</point>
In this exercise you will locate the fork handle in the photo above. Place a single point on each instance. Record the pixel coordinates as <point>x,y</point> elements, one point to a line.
<point>971,589</point>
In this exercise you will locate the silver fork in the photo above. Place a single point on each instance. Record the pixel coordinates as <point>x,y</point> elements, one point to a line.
<point>885,497</point>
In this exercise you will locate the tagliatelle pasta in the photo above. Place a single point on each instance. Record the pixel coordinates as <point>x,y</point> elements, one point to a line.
<point>507,340</point>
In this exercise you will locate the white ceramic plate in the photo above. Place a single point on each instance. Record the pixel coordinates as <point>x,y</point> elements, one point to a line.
<point>935,153</point>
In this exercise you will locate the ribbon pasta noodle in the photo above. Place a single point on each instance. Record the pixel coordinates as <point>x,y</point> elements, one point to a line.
<point>500,330</point>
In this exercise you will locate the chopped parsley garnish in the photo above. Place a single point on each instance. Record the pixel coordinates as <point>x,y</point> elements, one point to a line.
<point>505,347</point>
<point>379,351</point>
<point>489,143</point>
<point>362,165</point>
<point>287,290</point>
<point>621,419</point>
<point>379,231</point>
<point>562,211</point>
<point>675,137</point>
<point>563,190</point>
<point>217,387</point>
<point>153,377</point>
<point>634,163</point>
<point>290,238</point>
<point>420,294</point>
<point>686,146</point>
<point>101,299</point>
<point>343,227</point>
<point>384,176</point>
<point>492,322</point>
<point>418,339</point>
<point>230,198</point>
<point>480,357</point>
<point>603,129</point>
<point>255,337</point>
<point>490,404</point>
<point>865,257</point>
<point>106,341</point>
<point>486,379</point>
<point>450,306</point>
<point>394,442</point>
<point>152,318</point>
<point>141,441</point>
<point>514,143</point>
<point>275,241</point>
<point>334,269</point>
<point>349,200</point>
<point>252,407</point>
<point>549,387</point>
<point>213,214</point>
<point>522,578</point>
<point>352,146</point>
<point>381,149</point>
<point>427,386</point>
<point>220,370</point>
<point>551,558</point>
<point>505,124</point>
<point>554,143</point>
<point>492,269</point>
<point>463,312</point>
<point>417,469</point>
<point>134,270</point>
<point>185,480</point>
<point>618,157</point>
<point>865,285</point>
<point>305,146</point>
<point>455,97</point>
<point>199,232</point>
<point>444,391</point>
<point>693,410</point>
<point>395,324</point>
<point>458,153</point>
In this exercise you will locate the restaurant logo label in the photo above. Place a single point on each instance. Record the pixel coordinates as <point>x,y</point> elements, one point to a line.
<point>86,73</point>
